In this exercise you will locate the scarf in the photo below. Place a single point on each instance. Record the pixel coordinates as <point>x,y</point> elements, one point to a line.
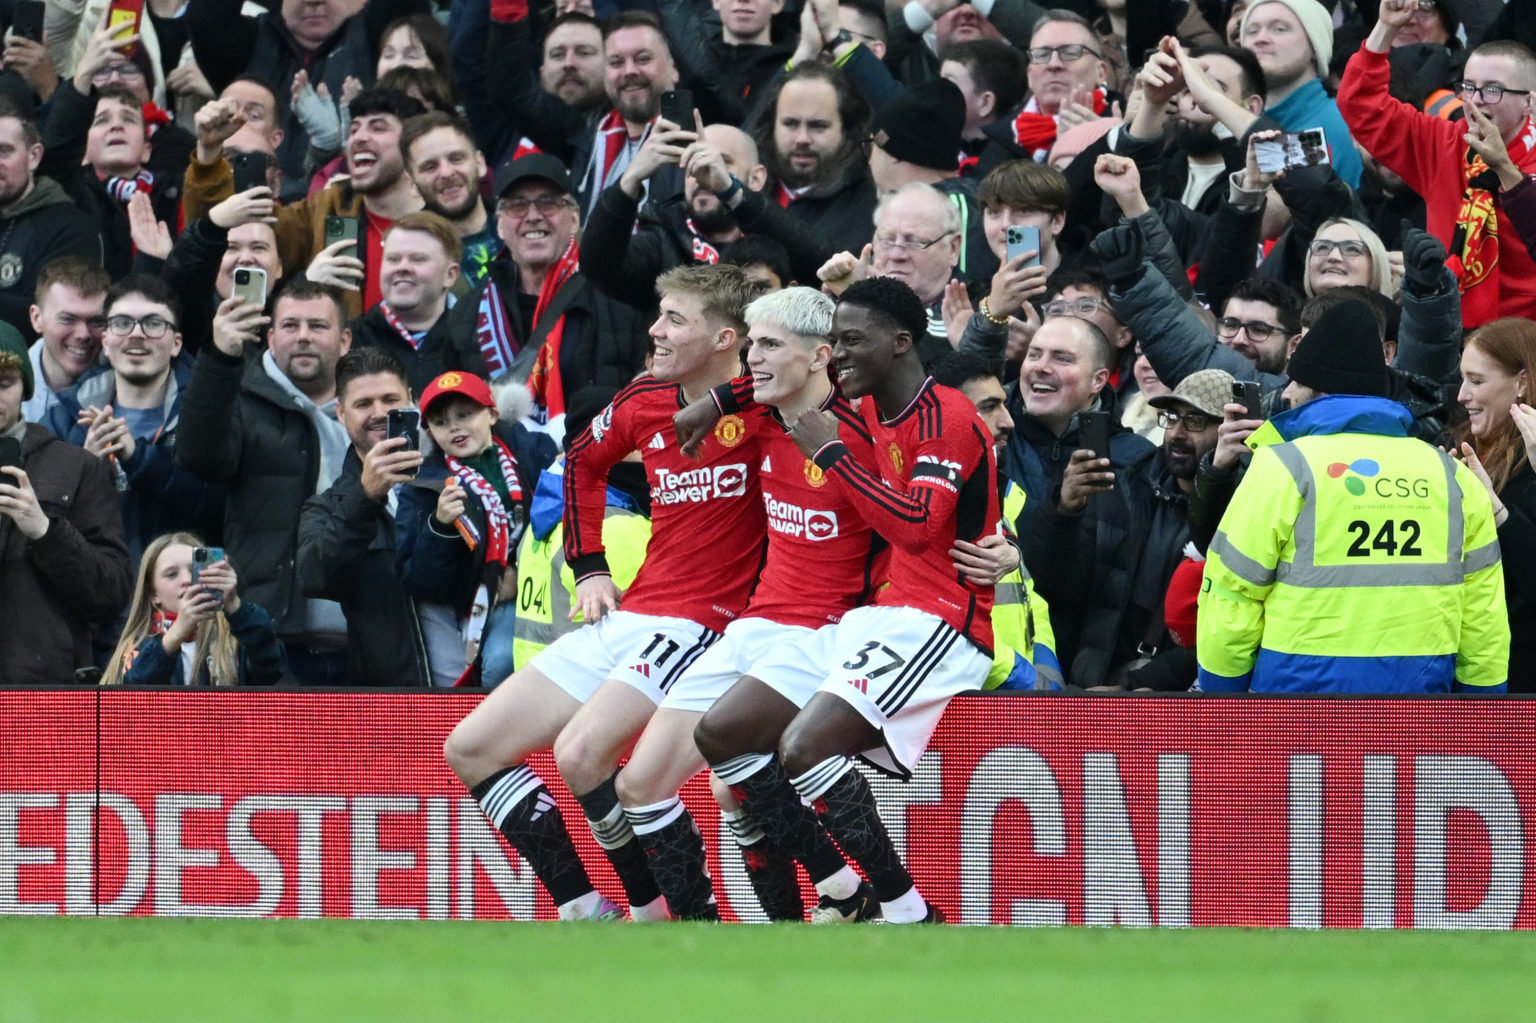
<point>123,189</point>
<point>497,516</point>
<point>703,252</point>
<point>610,156</point>
<point>493,331</point>
<point>1475,246</point>
<point>400,328</point>
<point>1035,132</point>
<point>544,381</point>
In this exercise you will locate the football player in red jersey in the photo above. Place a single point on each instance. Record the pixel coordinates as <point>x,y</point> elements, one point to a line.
<point>896,664</point>
<point>592,691</point>
<point>822,560</point>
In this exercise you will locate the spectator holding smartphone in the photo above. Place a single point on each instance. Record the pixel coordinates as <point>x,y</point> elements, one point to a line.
<point>188,626</point>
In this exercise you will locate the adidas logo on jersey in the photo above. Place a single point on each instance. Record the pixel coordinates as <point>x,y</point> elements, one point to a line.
<point>642,669</point>
<point>656,442</point>
<point>861,684</point>
<point>766,467</point>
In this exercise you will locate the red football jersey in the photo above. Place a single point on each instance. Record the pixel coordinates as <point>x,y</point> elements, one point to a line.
<point>707,522</point>
<point>823,558</point>
<point>933,481</point>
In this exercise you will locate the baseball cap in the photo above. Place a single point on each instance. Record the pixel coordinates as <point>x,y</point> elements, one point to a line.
<point>453,382</point>
<point>1206,391</point>
<point>535,165</point>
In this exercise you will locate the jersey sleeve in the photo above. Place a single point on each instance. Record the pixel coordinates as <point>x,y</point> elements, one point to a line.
<point>923,514</point>
<point>599,448</point>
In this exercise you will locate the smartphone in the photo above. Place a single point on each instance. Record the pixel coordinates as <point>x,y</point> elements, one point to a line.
<point>1021,240</point>
<point>1292,150</point>
<point>250,169</point>
<point>677,107</point>
<point>126,12</point>
<point>404,422</point>
<point>202,557</point>
<point>1093,433</point>
<point>251,285</point>
<point>28,19</point>
<point>1246,393</point>
<point>10,457</point>
<point>339,228</point>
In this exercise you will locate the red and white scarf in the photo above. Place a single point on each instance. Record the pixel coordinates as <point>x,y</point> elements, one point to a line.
<point>498,516</point>
<point>493,331</point>
<point>123,189</point>
<point>703,252</point>
<point>393,320</point>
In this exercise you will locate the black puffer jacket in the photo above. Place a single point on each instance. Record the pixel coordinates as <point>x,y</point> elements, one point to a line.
<point>240,429</point>
<point>441,350</point>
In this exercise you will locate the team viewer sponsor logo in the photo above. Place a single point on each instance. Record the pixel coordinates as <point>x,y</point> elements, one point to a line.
<point>793,520</point>
<point>703,484</point>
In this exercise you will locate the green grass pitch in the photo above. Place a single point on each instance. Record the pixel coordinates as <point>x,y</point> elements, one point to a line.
<point>259,970</point>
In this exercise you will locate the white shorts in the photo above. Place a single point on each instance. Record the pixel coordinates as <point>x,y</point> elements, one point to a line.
<point>790,658</point>
<point>899,668</point>
<point>649,652</point>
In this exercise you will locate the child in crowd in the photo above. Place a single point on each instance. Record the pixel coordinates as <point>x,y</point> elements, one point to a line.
<point>185,632</point>
<point>460,522</point>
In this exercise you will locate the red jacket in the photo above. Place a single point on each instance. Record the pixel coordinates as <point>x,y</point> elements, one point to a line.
<point>1430,155</point>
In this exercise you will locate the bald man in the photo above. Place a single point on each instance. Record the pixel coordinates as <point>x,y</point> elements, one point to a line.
<point>720,202</point>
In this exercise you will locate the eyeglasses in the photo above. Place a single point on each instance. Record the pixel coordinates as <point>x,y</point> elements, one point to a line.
<point>1488,93</point>
<point>546,203</point>
<point>1069,53</point>
<point>121,70</point>
<point>909,243</point>
<point>1227,326</point>
<point>1349,250</point>
<point>152,326</point>
<point>1194,422</point>
<point>1084,307</point>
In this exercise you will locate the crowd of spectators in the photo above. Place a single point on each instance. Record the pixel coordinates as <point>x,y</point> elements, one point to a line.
<point>237,239</point>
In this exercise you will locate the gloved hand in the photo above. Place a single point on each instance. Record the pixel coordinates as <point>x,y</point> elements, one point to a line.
<point>1423,261</point>
<point>1119,252</point>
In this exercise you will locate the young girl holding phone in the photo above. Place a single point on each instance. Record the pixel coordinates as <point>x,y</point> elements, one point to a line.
<point>186,631</point>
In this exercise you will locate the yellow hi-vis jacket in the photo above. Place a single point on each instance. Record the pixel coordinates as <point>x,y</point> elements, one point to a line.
<point>1353,559</point>
<point>546,586</point>
<point>1021,621</point>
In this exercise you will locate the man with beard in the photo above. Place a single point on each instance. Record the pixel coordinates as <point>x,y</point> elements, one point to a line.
<point>722,201</point>
<point>441,157</point>
<point>376,193</point>
<point>417,273</point>
<point>1189,132</point>
<point>572,69</point>
<point>37,220</point>
<point>1105,615</point>
<point>596,143</point>
<point>537,317</point>
<point>347,533</point>
<point>263,422</point>
<point>331,40</point>
<point>810,135</point>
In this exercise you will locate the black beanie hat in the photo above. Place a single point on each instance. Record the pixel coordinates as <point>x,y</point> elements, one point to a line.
<point>11,344</point>
<point>923,125</point>
<point>1342,354</point>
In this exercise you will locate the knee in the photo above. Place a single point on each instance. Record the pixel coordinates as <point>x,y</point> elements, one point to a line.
<point>710,738</point>
<point>462,753</point>
<point>582,763</point>
<point>800,749</point>
<point>630,788</point>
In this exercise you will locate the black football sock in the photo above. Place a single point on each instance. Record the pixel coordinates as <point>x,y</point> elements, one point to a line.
<point>606,818</point>
<point>846,804</point>
<point>771,871</point>
<point>675,850</point>
<point>766,794</point>
<point>521,808</point>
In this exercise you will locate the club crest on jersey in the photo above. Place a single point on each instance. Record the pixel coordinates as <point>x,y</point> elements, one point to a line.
<point>602,423</point>
<point>730,430</point>
<point>896,459</point>
<point>813,474</point>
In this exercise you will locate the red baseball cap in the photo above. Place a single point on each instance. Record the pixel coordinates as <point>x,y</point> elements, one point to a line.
<point>453,382</point>
<point>1180,608</point>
